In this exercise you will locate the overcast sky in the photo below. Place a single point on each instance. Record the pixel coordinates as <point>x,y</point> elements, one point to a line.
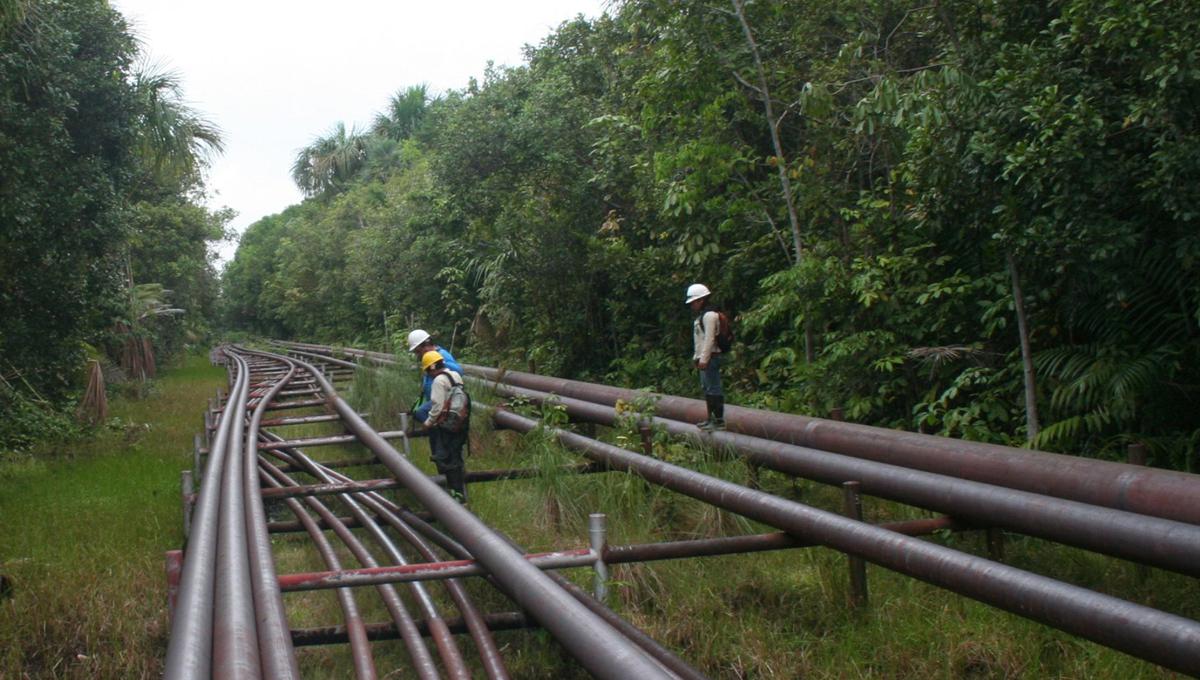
<point>274,74</point>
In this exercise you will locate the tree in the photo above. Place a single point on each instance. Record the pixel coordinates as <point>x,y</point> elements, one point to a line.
<point>329,162</point>
<point>68,132</point>
<point>404,115</point>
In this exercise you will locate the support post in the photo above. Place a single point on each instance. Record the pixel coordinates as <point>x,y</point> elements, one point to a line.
<point>995,544</point>
<point>196,454</point>
<point>188,489</point>
<point>598,540</point>
<point>174,561</point>
<point>852,508</point>
<point>1138,453</point>
<point>407,445</point>
<point>647,442</point>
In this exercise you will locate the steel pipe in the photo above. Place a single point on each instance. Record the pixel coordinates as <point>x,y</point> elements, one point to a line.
<point>1147,491</point>
<point>651,646</point>
<point>274,637</point>
<point>447,649</point>
<point>1140,538</point>
<point>235,626</point>
<point>1166,639</point>
<point>189,652</point>
<point>356,634</point>
<point>595,644</point>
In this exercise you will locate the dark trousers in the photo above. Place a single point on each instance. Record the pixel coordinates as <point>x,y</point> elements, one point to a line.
<point>446,449</point>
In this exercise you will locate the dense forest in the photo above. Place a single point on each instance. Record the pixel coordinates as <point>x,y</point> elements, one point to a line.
<point>104,239</point>
<point>977,219</point>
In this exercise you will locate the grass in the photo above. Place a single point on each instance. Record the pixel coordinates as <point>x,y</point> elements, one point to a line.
<point>95,519</point>
<point>84,532</point>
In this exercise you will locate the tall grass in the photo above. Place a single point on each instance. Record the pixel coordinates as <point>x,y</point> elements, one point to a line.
<point>83,532</point>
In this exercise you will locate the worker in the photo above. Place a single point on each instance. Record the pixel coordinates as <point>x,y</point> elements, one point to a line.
<point>708,331</point>
<point>420,342</point>
<point>448,422</point>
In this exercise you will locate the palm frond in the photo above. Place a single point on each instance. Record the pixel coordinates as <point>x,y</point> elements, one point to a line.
<point>174,137</point>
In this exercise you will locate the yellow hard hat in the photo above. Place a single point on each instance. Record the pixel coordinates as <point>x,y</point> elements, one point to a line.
<point>430,358</point>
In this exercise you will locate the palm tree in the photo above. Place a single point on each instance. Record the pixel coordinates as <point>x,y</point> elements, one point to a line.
<point>330,161</point>
<point>404,114</point>
<point>174,140</point>
<point>144,303</point>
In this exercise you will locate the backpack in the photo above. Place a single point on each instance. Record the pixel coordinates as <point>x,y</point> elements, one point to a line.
<point>458,407</point>
<point>724,332</point>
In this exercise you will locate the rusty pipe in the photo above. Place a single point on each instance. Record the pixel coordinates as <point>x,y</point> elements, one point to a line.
<point>1140,631</point>
<point>1148,540</point>
<point>189,652</point>
<point>355,629</point>
<point>235,626</point>
<point>595,644</point>
<point>1147,491</point>
<point>489,652</point>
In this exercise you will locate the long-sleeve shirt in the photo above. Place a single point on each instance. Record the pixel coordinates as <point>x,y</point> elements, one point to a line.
<point>441,393</point>
<point>704,336</point>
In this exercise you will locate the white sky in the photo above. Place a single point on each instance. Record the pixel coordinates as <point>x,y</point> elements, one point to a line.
<point>274,74</point>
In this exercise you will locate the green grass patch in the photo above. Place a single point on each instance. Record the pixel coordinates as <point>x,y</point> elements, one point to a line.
<point>85,528</point>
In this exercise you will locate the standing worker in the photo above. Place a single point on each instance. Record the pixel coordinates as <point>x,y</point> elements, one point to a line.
<point>420,342</point>
<point>448,422</point>
<point>706,329</point>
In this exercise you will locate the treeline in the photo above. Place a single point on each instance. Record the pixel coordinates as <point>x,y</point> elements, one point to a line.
<point>103,238</point>
<point>978,219</point>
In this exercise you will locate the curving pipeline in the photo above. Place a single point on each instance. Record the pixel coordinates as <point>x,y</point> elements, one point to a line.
<point>600,648</point>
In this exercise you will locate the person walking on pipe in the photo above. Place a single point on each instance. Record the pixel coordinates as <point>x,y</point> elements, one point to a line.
<point>420,342</point>
<point>448,422</point>
<point>708,330</point>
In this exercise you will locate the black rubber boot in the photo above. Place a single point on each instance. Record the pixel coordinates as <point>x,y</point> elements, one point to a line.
<point>456,484</point>
<point>704,424</point>
<point>709,400</point>
<point>716,410</point>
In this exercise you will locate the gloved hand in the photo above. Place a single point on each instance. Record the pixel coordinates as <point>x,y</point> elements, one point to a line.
<point>421,413</point>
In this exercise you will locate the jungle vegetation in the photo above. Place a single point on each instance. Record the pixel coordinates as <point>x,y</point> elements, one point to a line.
<point>977,219</point>
<point>103,235</point>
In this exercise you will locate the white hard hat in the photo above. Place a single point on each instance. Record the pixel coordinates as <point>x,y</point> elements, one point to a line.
<point>416,338</point>
<point>695,292</point>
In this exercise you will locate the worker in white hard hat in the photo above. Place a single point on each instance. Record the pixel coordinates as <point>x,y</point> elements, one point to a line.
<point>419,343</point>
<point>706,355</point>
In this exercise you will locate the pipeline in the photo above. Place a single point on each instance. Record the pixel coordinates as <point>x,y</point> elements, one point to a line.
<point>356,632</point>
<point>1166,639</point>
<point>489,653</point>
<point>1134,488</point>
<point>189,653</point>
<point>595,644</point>
<point>274,637</point>
<point>1138,538</point>
<point>422,661</point>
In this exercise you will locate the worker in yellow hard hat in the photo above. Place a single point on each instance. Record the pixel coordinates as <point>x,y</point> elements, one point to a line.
<point>448,422</point>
